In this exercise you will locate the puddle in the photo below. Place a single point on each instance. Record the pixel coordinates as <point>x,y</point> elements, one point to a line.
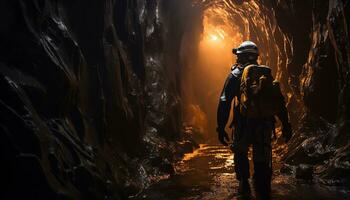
<point>208,174</point>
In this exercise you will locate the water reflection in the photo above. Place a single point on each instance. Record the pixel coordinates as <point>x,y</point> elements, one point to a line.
<point>207,174</point>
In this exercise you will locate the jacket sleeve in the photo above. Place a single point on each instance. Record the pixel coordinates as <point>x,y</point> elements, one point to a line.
<point>226,97</point>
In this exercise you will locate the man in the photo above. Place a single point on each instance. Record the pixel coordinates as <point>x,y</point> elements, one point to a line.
<point>253,120</point>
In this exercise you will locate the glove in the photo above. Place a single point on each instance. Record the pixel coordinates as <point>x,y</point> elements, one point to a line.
<point>287,132</point>
<point>223,136</point>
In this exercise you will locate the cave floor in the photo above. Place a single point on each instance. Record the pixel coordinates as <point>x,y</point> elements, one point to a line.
<point>207,174</point>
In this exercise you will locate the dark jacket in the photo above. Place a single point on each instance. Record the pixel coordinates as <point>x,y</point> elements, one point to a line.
<point>230,90</point>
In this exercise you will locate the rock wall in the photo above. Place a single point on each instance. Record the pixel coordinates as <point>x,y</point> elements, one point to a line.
<point>90,103</point>
<point>319,76</point>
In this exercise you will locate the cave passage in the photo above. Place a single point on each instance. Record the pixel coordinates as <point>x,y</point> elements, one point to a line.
<point>207,173</point>
<point>225,25</point>
<point>211,66</point>
<point>117,99</point>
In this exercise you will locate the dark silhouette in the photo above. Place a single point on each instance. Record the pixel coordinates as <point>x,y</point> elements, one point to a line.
<point>257,99</point>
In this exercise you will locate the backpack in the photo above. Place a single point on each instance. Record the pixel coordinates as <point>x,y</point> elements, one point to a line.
<point>260,95</point>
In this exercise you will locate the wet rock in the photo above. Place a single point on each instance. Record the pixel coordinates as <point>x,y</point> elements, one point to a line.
<point>310,151</point>
<point>167,167</point>
<point>304,172</point>
<point>317,60</point>
<point>337,170</point>
<point>91,91</point>
<point>287,169</point>
<point>81,83</point>
<point>186,147</point>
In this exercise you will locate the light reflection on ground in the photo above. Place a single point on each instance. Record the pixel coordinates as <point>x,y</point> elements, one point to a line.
<point>208,174</point>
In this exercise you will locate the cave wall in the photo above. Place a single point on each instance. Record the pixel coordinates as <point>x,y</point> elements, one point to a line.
<point>319,77</point>
<point>91,90</point>
<point>90,103</point>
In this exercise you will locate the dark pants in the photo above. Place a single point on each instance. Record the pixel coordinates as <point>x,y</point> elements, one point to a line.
<point>258,133</point>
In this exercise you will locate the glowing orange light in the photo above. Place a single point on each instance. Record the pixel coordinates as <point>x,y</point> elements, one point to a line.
<point>214,37</point>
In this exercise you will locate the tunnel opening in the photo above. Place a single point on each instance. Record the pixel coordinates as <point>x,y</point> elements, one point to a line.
<point>207,54</point>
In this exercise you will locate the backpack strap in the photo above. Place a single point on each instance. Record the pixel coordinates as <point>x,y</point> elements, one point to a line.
<point>237,71</point>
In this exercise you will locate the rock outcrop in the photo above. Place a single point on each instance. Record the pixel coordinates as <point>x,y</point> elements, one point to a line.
<point>90,103</point>
<point>321,85</point>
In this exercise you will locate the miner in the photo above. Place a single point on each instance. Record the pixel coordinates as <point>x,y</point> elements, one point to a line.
<point>256,98</point>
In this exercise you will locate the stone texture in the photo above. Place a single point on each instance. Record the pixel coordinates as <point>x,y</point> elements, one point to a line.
<point>91,91</point>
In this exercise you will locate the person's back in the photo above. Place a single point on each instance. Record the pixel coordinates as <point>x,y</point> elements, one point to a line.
<point>257,99</point>
<point>260,95</point>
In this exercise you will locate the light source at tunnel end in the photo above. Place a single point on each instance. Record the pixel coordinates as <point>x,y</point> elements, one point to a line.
<point>214,38</point>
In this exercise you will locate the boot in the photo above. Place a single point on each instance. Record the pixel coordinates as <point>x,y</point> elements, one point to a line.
<point>262,187</point>
<point>262,181</point>
<point>244,187</point>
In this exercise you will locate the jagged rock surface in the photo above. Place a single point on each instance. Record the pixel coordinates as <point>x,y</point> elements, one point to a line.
<point>91,90</point>
<point>90,105</point>
<point>321,85</point>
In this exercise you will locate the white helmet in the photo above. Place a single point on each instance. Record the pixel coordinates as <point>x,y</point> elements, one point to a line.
<point>246,47</point>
